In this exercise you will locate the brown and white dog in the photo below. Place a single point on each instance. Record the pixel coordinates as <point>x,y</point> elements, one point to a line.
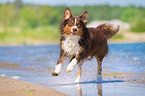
<point>81,43</point>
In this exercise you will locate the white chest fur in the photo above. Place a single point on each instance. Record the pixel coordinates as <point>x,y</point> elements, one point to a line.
<point>71,45</point>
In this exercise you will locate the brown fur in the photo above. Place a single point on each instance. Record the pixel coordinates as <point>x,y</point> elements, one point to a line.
<point>108,30</point>
<point>93,41</point>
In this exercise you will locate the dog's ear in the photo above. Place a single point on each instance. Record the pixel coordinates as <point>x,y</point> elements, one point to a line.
<point>84,17</point>
<point>67,13</point>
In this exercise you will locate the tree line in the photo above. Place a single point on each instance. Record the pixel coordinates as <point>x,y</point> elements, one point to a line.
<point>32,16</point>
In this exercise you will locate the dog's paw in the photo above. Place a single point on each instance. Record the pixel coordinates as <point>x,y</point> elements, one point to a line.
<point>69,69</point>
<point>77,81</point>
<point>54,74</point>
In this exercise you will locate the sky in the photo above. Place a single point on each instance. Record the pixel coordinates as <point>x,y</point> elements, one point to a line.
<point>83,2</point>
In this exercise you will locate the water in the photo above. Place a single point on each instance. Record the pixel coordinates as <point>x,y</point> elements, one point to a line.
<point>123,70</point>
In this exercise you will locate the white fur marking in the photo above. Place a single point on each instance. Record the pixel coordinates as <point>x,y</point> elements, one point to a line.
<point>77,79</point>
<point>57,68</point>
<point>75,21</point>
<point>71,45</point>
<point>116,27</point>
<point>74,25</point>
<point>73,28</point>
<point>67,16</point>
<point>71,65</point>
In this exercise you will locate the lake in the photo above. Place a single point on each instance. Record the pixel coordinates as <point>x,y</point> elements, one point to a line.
<point>123,70</point>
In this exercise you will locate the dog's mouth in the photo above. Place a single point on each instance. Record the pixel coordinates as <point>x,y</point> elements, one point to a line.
<point>73,33</point>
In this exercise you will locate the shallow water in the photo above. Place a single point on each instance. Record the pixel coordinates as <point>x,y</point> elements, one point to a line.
<point>123,70</point>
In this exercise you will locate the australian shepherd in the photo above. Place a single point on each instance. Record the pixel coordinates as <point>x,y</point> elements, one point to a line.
<point>82,43</point>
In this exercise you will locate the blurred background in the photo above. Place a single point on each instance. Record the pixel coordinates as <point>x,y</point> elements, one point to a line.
<point>36,22</point>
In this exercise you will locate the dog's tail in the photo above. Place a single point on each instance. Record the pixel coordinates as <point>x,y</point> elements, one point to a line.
<point>109,29</point>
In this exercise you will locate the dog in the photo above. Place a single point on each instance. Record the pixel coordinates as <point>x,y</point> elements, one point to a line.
<point>81,43</point>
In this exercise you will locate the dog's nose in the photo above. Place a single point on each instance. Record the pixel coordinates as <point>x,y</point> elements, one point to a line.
<point>74,29</point>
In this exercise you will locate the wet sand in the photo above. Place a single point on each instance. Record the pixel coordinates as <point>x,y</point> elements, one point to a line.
<point>12,87</point>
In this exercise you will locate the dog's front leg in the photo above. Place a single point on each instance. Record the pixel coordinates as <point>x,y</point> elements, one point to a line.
<point>59,62</point>
<point>71,65</point>
<point>79,59</point>
<point>74,61</point>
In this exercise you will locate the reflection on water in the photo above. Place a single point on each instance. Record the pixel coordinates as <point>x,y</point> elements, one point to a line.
<point>79,89</point>
<point>124,63</point>
<point>99,86</point>
<point>104,88</point>
<point>87,88</point>
<point>98,89</point>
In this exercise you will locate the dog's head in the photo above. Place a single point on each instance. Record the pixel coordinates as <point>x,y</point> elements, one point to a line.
<point>73,25</point>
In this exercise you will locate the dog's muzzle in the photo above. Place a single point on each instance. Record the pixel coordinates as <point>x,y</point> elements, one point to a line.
<point>74,30</point>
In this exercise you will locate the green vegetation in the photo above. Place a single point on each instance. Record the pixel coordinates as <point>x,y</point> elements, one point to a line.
<point>23,23</point>
<point>16,35</point>
<point>139,26</point>
<point>117,36</point>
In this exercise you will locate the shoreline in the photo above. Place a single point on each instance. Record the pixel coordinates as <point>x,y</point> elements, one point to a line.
<point>13,87</point>
<point>44,44</point>
<point>128,37</point>
<point>124,42</point>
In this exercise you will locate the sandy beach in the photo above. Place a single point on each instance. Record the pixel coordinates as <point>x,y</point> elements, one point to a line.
<point>12,87</point>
